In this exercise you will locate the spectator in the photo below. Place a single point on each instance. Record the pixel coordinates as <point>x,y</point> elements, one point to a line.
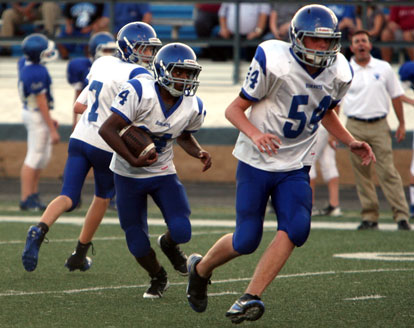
<point>126,12</point>
<point>375,23</point>
<point>406,73</point>
<point>366,105</point>
<point>252,25</point>
<point>400,26</point>
<point>346,23</point>
<point>325,155</point>
<point>82,20</point>
<point>22,12</point>
<point>205,21</point>
<point>35,90</point>
<point>279,20</point>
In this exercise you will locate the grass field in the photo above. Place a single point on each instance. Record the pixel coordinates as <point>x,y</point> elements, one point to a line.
<point>314,289</point>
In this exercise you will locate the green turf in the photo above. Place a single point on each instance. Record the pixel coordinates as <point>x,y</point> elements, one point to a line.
<point>311,291</point>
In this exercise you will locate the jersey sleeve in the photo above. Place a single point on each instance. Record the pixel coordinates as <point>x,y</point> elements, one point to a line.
<point>83,96</point>
<point>128,100</point>
<point>197,120</point>
<point>255,84</point>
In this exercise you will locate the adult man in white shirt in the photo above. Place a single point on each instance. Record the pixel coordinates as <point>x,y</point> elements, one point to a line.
<point>366,105</point>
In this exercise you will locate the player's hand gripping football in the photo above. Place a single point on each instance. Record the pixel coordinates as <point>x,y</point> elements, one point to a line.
<point>144,160</point>
<point>363,150</point>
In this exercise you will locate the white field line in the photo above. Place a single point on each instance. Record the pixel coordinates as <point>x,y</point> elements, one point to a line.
<point>364,298</point>
<point>104,288</point>
<point>201,223</point>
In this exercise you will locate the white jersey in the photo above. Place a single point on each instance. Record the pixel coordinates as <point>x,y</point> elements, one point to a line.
<point>289,103</point>
<point>139,103</point>
<point>106,77</point>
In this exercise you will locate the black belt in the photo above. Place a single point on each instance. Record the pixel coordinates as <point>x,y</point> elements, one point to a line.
<point>367,120</point>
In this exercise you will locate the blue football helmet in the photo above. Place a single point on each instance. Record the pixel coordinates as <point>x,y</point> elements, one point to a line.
<point>406,73</point>
<point>320,22</point>
<point>38,48</point>
<point>177,56</point>
<point>133,40</point>
<point>102,43</point>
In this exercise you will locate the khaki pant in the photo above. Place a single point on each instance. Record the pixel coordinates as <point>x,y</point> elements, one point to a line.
<point>377,135</point>
<point>48,11</point>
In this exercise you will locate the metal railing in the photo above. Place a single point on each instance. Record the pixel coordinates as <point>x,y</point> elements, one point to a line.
<point>237,43</point>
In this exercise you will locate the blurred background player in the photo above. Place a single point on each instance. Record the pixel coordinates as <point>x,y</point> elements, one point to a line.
<point>406,73</point>
<point>35,92</point>
<point>168,111</point>
<point>137,44</point>
<point>325,155</point>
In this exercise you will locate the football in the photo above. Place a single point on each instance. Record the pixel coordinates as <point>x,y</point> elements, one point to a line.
<point>137,140</point>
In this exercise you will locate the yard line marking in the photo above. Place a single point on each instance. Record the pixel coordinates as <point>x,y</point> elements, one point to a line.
<point>203,223</point>
<point>194,233</point>
<point>223,294</point>
<point>364,298</point>
<point>103,288</point>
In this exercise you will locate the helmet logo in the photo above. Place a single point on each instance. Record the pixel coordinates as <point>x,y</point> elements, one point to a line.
<point>324,30</point>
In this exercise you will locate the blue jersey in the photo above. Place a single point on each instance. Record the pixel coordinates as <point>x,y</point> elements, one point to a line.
<point>77,71</point>
<point>34,79</point>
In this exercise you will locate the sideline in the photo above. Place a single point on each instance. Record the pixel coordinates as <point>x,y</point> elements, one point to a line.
<point>201,223</point>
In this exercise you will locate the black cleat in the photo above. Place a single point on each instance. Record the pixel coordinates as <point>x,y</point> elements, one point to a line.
<point>368,225</point>
<point>248,307</point>
<point>197,286</point>
<point>403,225</point>
<point>176,256</point>
<point>158,285</point>
<point>76,262</point>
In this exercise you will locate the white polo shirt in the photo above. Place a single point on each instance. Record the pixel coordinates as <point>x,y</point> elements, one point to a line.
<point>371,90</point>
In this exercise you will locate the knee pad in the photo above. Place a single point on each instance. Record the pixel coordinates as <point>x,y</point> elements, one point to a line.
<point>299,232</point>
<point>247,239</point>
<point>180,230</point>
<point>137,241</point>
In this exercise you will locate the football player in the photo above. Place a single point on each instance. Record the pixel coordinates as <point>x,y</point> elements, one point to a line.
<point>137,44</point>
<point>35,93</point>
<point>100,44</point>
<point>168,110</point>
<point>290,89</point>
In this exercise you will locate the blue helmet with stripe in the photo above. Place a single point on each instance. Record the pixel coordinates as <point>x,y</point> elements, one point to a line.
<point>102,43</point>
<point>134,40</point>
<point>319,22</point>
<point>38,48</point>
<point>177,56</point>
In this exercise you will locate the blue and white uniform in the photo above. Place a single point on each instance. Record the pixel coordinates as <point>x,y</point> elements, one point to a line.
<point>77,71</point>
<point>86,147</point>
<point>34,79</point>
<point>140,104</point>
<point>289,103</point>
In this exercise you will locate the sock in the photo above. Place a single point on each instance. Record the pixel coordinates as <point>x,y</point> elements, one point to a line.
<point>411,189</point>
<point>82,249</point>
<point>43,226</point>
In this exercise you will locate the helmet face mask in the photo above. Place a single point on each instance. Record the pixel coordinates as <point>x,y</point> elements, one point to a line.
<point>38,49</point>
<point>133,42</point>
<point>176,69</point>
<point>315,21</point>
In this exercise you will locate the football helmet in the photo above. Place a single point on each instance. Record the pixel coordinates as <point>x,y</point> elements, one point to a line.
<point>132,41</point>
<point>320,22</point>
<point>102,43</point>
<point>38,48</point>
<point>177,56</point>
<point>406,73</point>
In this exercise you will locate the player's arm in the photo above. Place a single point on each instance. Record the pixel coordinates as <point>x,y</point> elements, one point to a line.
<point>191,146</point>
<point>109,131</point>
<point>399,112</point>
<point>235,113</point>
<point>334,126</point>
<point>42,103</point>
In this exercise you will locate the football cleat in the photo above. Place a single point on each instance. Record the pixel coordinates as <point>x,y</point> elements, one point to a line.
<point>158,285</point>
<point>176,256</point>
<point>248,307</point>
<point>76,262</point>
<point>35,236</point>
<point>197,286</point>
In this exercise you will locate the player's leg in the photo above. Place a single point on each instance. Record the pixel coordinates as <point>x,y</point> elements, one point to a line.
<point>132,210</point>
<point>253,189</point>
<point>411,187</point>
<point>104,191</point>
<point>75,172</point>
<point>170,196</point>
<point>292,198</point>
